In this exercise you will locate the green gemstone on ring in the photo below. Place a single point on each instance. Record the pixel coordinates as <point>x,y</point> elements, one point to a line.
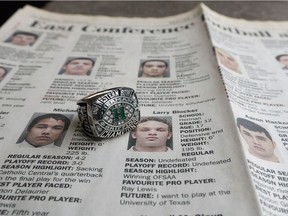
<point>119,113</point>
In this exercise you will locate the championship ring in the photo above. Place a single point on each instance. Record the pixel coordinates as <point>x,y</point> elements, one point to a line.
<point>109,113</point>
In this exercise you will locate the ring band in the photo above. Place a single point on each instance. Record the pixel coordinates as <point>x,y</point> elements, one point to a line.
<point>109,113</point>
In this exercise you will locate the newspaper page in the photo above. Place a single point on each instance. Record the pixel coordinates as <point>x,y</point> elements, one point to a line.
<point>253,60</point>
<point>183,158</point>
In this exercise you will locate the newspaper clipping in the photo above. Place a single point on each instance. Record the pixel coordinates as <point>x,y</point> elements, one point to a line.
<point>212,139</point>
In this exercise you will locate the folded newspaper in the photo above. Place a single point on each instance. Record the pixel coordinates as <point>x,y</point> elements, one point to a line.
<point>213,135</point>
